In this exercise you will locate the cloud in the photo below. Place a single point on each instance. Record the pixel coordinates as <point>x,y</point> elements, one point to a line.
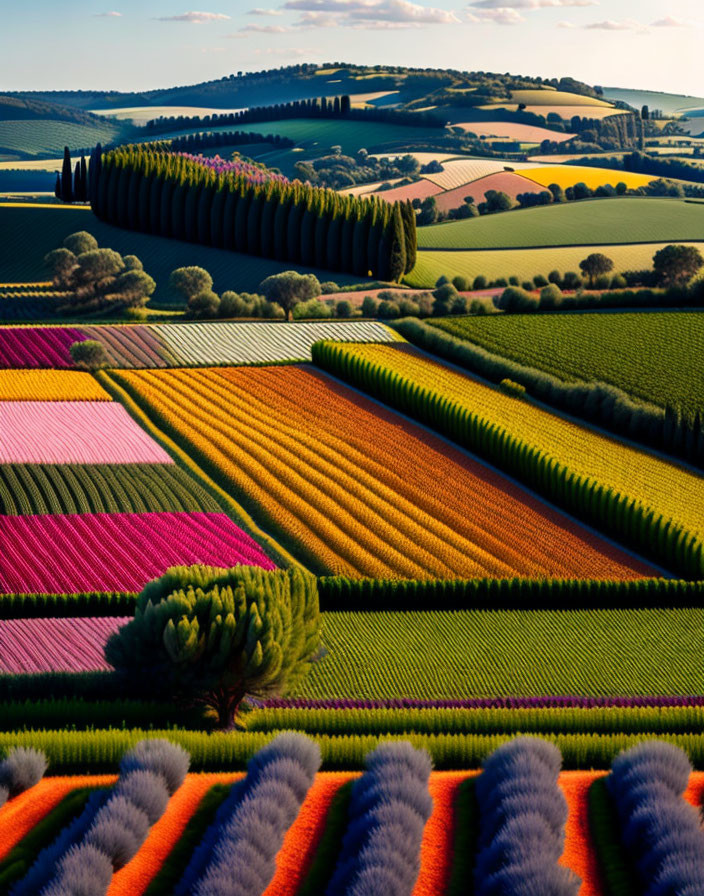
<point>530,4</point>
<point>107,15</point>
<point>195,18</point>
<point>258,11</point>
<point>668,22</point>
<point>368,14</point>
<point>287,52</point>
<point>265,29</point>
<point>612,25</point>
<point>504,15</point>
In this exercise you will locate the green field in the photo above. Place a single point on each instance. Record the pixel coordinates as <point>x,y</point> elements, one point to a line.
<point>524,263</point>
<point>656,356</point>
<point>618,220</point>
<point>38,137</point>
<point>30,232</point>
<point>475,653</point>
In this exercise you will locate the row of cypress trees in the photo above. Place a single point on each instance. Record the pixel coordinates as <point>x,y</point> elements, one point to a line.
<point>72,186</point>
<point>166,194</point>
<point>618,513</point>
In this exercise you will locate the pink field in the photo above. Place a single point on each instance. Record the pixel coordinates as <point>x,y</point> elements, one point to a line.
<point>419,190</point>
<point>37,346</point>
<point>73,432</point>
<point>513,130</point>
<point>505,181</point>
<point>115,551</point>
<point>55,645</point>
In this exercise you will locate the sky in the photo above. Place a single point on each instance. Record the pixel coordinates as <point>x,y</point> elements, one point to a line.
<point>141,44</point>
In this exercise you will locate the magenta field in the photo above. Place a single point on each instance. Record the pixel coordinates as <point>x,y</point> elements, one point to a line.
<point>73,432</point>
<point>38,347</point>
<point>55,645</point>
<point>115,552</point>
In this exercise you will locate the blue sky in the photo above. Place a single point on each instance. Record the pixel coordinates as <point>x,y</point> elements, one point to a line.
<point>132,45</point>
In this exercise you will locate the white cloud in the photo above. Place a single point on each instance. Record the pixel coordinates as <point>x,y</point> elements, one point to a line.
<point>107,15</point>
<point>530,4</point>
<point>503,15</point>
<point>612,25</point>
<point>195,18</point>
<point>668,22</point>
<point>258,11</point>
<point>265,29</point>
<point>368,14</point>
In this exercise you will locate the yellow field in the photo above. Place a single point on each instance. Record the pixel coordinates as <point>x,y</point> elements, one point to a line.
<point>569,175</point>
<point>50,385</point>
<point>359,489</point>
<point>548,97</point>
<point>660,485</point>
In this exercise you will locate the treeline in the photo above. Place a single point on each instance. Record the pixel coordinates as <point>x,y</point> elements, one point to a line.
<point>169,195</point>
<point>323,107</point>
<point>642,163</point>
<point>193,143</point>
<point>667,429</point>
<point>615,512</point>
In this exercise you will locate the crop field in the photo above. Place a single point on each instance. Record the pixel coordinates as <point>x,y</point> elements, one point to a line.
<point>36,137</point>
<point>49,385</point>
<point>33,231</point>
<point>505,182</point>
<point>54,645</point>
<point>286,439</point>
<point>421,189</point>
<point>94,552</point>
<point>513,130</point>
<point>458,172</point>
<point>100,488</point>
<point>635,352</point>
<point>569,175</point>
<point>659,486</point>
<point>37,347</point>
<point>597,221</point>
<point>549,97</point>
<point>525,263</point>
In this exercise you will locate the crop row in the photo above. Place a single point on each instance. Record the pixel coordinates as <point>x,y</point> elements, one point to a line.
<point>384,656</point>
<point>50,385</point>
<point>357,489</point>
<point>84,552</point>
<point>101,488</point>
<point>644,500</point>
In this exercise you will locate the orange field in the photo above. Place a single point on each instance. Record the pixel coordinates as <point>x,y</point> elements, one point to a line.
<point>579,853</point>
<point>360,488</point>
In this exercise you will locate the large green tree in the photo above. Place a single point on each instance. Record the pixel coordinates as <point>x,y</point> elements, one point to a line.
<point>289,288</point>
<point>596,265</point>
<point>677,264</point>
<point>214,636</point>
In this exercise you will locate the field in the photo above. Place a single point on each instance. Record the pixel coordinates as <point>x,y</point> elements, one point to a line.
<point>657,357</point>
<point>458,172</point>
<point>34,231</point>
<point>569,175</point>
<point>38,138</point>
<point>596,221</point>
<point>670,103</point>
<point>547,97</point>
<point>49,385</point>
<point>525,263</point>
<point>513,130</point>
<point>264,435</point>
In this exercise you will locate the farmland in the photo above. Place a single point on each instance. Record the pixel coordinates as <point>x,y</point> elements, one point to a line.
<point>39,138</point>
<point>632,351</point>
<point>525,263</point>
<point>245,424</point>
<point>596,221</point>
<point>569,175</point>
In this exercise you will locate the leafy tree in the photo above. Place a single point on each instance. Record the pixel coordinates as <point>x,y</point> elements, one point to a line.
<point>343,308</point>
<point>289,288</point>
<point>62,263</point>
<point>595,265</point>
<point>677,264</point>
<point>214,636</point>
<point>190,281</point>
<point>89,354</point>
<point>203,304</point>
<point>369,306</point>
<point>444,298</point>
<point>81,242</point>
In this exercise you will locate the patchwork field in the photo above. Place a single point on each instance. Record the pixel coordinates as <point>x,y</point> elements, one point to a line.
<point>598,221</point>
<point>569,175</point>
<point>657,357</point>
<point>39,138</point>
<point>513,130</point>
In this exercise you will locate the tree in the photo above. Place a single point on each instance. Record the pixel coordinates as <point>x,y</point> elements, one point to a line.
<point>214,636</point>
<point>89,354</point>
<point>190,281</point>
<point>675,264</point>
<point>397,245</point>
<point>289,288</point>
<point>66,177</point>
<point>203,304</point>
<point>595,265</point>
<point>343,308</point>
<point>80,242</point>
<point>443,299</point>
<point>62,264</point>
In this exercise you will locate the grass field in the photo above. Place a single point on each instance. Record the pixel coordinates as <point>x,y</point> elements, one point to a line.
<point>547,97</point>
<point>510,653</point>
<point>658,357</point>
<point>32,231</point>
<point>524,263</point>
<point>636,219</point>
<point>569,175</point>
<point>36,137</point>
<point>513,130</point>
<point>669,103</point>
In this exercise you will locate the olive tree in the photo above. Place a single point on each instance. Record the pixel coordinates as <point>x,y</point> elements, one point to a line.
<point>214,636</point>
<point>190,281</point>
<point>289,288</point>
<point>677,264</point>
<point>595,265</point>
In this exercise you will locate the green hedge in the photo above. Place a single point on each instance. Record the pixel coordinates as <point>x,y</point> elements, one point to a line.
<point>81,752</point>
<point>85,603</point>
<point>78,712</point>
<point>616,873</point>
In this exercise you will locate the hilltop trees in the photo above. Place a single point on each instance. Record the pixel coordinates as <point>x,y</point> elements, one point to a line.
<point>170,195</point>
<point>675,265</point>
<point>72,186</point>
<point>595,265</point>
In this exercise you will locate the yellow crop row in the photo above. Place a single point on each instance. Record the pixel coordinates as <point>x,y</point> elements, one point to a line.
<point>569,175</point>
<point>50,385</point>
<point>361,490</point>
<point>660,485</point>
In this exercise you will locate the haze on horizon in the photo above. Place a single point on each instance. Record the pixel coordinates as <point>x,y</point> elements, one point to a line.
<point>130,45</point>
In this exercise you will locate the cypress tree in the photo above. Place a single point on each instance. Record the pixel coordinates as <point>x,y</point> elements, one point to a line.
<point>397,250</point>
<point>293,228</point>
<point>241,216</point>
<point>266,237</point>
<point>254,222</point>
<point>217,211</point>
<point>166,206</point>
<point>156,185</point>
<point>373,239</point>
<point>384,246</point>
<point>336,106</point>
<point>190,219</point>
<point>308,229</point>
<point>135,186</point>
<point>229,217</point>
<point>123,186</point>
<point>66,175</point>
<point>347,236</point>
<point>334,237</point>
<point>409,225</point>
<point>362,226</point>
<point>178,207</point>
<point>111,186</point>
<point>322,225</point>
<point>280,228</point>
<point>77,182</point>
<point>94,172</point>
<point>205,204</point>
<point>84,179</point>
<point>57,188</point>
<point>345,105</point>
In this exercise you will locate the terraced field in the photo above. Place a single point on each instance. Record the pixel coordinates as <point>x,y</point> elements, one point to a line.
<point>595,221</point>
<point>658,357</point>
<point>326,469</point>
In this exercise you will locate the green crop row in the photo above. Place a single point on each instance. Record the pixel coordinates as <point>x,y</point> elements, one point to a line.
<point>79,713</point>
<point>101,750</point>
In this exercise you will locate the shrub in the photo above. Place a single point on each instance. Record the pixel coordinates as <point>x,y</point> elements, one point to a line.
<point>461,283</point>
<point>550,296</point>
<point>78,243</point>
<point>190,281</point>
<point>480,282</point>
<point>314,309</point>
<point>343,309</point>
<point>146,790</point>
<point>22,768</point>
<point>539,281</point>
<point>84,871</point>
<point>388,310</point>
<point>514,299</point>
<point>160,756</point>
<point>89,354</point>
<point>512,388</point>
<point>329,287</point>
<point>204,304</point>
<point>369,306</point>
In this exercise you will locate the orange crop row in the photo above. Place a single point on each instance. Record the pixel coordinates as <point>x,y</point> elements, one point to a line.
<point>135,877</point>
<point>20,815</point>
<point>366,492</point>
